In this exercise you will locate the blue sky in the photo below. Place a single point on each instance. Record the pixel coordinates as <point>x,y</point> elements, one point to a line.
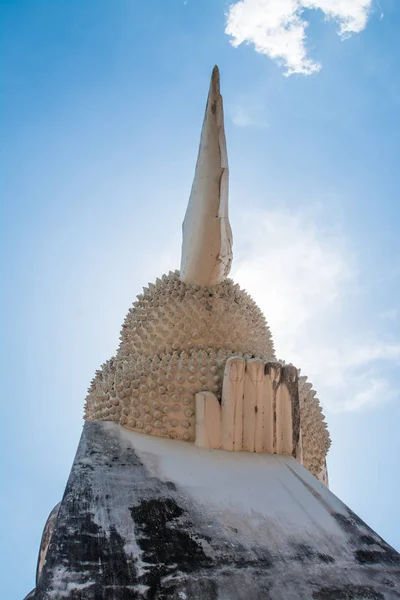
<point>102,104</point>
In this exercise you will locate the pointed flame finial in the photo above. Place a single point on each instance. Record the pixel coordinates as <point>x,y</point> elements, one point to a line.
<point>207,236</point>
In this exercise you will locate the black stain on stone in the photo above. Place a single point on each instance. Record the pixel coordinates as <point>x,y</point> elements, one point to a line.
<point>87,467</point>
<point>350,523</point>
<point>367,539</point>
<point>170,485</point>
<point>385,556</point>
<point>325,558</point>
<point>306,553</point>
<point>91,555</point>
<point>348,592</point>
<point>263,560</point>
<point>83,550</point>
<point>362,538</point>
<point>166,541</point>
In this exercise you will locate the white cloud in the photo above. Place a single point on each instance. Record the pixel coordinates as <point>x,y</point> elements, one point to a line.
<point>351,15</point>
<point>377,390</point>
<point>240,116</point>
<point>277,28</point>
<point>252,115</point>
<point>302,277</point>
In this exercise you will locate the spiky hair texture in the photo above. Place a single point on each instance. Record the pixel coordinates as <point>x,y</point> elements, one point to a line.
<point>174,316</point>
<point>175,342</point>
<point>314,431</point>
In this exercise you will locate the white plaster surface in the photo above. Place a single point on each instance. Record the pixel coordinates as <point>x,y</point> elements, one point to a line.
<point>259,494</point>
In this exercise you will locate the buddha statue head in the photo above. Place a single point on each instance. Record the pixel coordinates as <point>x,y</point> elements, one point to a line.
<point>182,330</point>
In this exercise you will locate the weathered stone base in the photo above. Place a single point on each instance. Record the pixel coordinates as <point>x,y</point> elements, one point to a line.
<point>152,518</point>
